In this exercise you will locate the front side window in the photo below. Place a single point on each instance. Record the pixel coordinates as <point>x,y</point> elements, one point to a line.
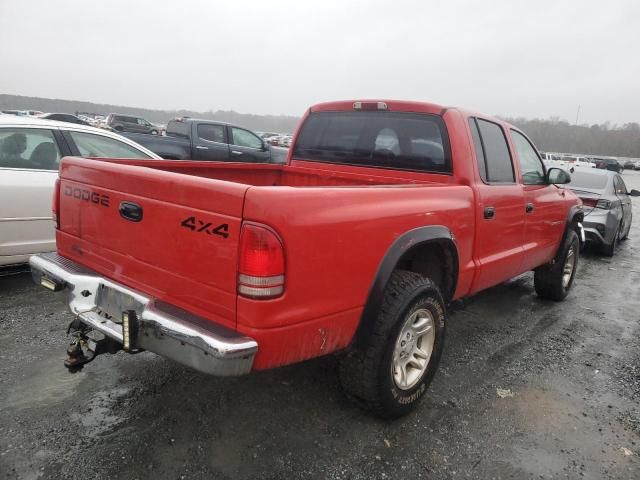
<point>496,152</point>
<point>31,148</point>
<point>406,141</point>
<point>91,145</point>
<point>530,165</point>
<point>244,138</point>
<point>211,133</point>
<point>143,122</point>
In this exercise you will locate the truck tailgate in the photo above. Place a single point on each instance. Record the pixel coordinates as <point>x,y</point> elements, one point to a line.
<point>172,236</point>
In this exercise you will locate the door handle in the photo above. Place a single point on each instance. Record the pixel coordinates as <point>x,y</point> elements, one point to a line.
<point>489,212</point>
<point>202,147</point>
<point>236,152</point>
<point>529,208</point>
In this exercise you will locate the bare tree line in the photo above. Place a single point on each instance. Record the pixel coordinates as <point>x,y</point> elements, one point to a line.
<point>551,135</point>
<point>555,135</point>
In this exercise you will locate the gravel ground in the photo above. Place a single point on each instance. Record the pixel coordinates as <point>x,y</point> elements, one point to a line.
<point>526,389</point>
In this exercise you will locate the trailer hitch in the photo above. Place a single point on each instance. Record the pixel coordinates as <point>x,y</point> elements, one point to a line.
<point>86,345</point>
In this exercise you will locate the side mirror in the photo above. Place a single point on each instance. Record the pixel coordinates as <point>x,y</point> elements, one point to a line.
<point>557,176</point>
<point>634,193</point>
<point>265,146</point>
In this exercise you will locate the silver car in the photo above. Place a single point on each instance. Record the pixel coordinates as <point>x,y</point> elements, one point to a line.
<point>607,206</point>
<point>30,152</point>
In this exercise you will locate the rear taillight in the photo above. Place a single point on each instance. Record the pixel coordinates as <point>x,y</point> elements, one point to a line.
<point>55,205</point>
<point>589,202</point>
<point>261,263</point>
<point>597,203</point>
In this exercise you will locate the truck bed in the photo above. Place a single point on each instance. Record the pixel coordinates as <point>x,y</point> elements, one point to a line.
<point>299,174</point>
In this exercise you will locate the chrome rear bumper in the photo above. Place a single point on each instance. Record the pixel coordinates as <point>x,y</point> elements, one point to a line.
<point>163,329</point>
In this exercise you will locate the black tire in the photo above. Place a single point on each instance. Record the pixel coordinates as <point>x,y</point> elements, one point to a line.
<point>626,234</point>
<point>610,250</point>
<point>548,279</point>
<point>366,372</point>
<point>118,128</point>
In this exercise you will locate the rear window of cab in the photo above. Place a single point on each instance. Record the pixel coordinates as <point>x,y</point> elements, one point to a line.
<point>394,140</point>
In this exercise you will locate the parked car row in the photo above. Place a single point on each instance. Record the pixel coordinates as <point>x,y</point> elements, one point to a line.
<point>632,164</point>
<point>567,161</point>
<point>277,139</point>
<point>114,121</point>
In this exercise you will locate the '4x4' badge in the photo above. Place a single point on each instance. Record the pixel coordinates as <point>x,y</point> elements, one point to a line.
<point>192,223</point>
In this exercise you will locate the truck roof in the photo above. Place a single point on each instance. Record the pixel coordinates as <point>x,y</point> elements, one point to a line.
<point>400,106</point>
<point>203,120</point>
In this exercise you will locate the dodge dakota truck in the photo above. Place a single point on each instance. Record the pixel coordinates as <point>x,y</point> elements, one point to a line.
<point>385,212</point>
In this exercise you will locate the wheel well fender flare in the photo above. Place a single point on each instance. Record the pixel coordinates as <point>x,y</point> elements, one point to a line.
<point>409,241</point>
<point>575,215</point>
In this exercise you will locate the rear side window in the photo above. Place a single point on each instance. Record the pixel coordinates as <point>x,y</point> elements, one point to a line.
<point>211,133</point>
<point>28,148</point>
<point>406,141</point>
<point>586,179</point>
<point>178,129</point>
<point>477,144</point>
<point>498,166</point>
<point>91,145</point>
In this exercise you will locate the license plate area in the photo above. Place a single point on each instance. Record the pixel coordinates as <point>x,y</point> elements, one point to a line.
<point>111,303</point>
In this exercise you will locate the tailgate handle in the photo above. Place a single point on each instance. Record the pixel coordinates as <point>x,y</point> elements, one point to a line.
<point>131,211</point>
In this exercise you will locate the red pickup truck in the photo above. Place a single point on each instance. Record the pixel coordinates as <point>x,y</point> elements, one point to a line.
<point>385,212</point>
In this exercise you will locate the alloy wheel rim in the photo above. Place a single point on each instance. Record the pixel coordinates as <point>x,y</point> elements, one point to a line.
<point>413,349</point>
<point>569,265</point>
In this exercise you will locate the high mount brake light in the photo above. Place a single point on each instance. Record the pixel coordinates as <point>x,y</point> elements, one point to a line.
<point>261,263</point>
<point>370,106</point>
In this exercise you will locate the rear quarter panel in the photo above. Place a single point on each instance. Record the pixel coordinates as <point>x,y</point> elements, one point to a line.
<point>335,240</point>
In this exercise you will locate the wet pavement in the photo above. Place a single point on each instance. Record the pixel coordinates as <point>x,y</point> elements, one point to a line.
<point>526,389</point>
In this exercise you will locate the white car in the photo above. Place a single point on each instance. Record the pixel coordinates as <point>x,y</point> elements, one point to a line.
<point>577,161</point>
<point>30,152</point>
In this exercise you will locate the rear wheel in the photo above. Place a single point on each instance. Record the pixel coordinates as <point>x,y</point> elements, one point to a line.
<point>628,229</point>
<point>390,373</point>
<point>610,250</point>
<point>553,281</point>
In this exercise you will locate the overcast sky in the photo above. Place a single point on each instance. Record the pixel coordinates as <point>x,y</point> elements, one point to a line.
<point>512,58</point>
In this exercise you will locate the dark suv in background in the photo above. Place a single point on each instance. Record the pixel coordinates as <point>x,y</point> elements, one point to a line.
<point>127,123</point>
<point>609,164</point>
